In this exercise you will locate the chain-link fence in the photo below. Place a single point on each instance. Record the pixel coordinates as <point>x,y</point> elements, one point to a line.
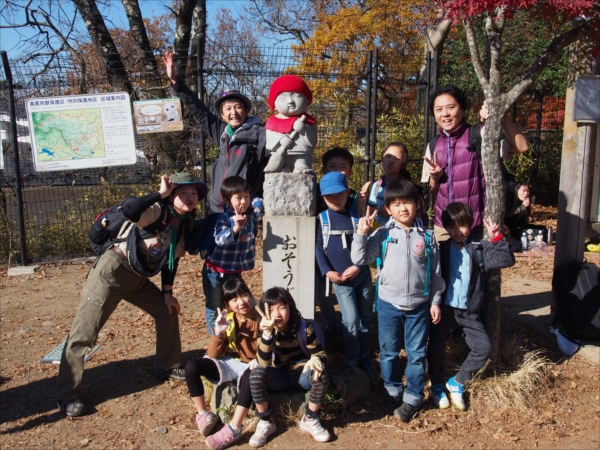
<point>60,206</point>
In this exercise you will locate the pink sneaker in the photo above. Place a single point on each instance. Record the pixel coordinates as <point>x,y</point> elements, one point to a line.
<point>222,438</point>
<point>206,422</point>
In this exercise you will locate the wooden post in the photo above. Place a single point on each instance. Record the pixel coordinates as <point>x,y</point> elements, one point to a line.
<point>575,170</point>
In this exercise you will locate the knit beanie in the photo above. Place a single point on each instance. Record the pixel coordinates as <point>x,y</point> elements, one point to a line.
<point>288,83</point>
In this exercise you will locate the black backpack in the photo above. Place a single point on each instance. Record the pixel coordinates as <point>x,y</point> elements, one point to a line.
<point>106,226</point>
<point>255,169</point>
<point>105,230</point>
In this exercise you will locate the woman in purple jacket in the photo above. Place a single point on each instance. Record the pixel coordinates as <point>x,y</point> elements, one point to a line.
<point>454,171</point>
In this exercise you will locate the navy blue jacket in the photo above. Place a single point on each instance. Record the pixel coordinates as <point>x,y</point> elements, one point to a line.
<point>336,258</point>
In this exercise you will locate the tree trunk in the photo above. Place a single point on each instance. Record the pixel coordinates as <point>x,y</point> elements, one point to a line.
<point>183,27</point>
<point>105,46</point>
<point>494,209</point>
<point>435,38</point>
<point>198,33</point>
<point>150,72</point>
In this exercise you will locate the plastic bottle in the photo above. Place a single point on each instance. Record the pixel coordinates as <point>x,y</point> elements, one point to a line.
<point>524,242</point>
<point>539,238</point>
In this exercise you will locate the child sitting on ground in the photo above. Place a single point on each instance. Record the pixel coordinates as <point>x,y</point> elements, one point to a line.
<point>235,236</point>
<point>231,348</point>
<point>352,283</point>
<point>464,263</point>
<point>290,356</point>
<point>393,161</point>
<point>409,294</point>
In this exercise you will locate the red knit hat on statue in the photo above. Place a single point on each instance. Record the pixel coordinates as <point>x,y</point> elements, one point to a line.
<point>288,83</point>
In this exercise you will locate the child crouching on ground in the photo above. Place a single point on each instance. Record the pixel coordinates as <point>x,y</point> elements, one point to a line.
<point>231,348</point>
<point>352,282</point>
<point>409,293</point>
<point>290,356</point>
<point>235,237</point>
<point>464,263</point>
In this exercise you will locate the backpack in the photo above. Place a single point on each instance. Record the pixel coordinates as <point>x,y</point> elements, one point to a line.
<point>474,141</point>
<point>201,239</point>
<point>385,241</point>
<point>106,227</point>
<point>327,231</point>
<point>302,339</point>
<point>255,174</point>
<point>111,222</point>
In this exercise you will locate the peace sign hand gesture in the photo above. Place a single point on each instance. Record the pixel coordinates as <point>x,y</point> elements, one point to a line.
<point>435,170</point>
<point>365,223</point>
<point>267,324</point>
<point>221,324</point>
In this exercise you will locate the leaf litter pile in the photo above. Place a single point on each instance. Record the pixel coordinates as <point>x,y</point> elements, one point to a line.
<point>532,397</point>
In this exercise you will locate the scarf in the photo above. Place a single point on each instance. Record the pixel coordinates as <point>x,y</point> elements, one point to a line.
<point>175,221</point>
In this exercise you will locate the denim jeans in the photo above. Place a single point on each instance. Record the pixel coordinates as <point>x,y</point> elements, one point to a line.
<point>356,305</point>
<point>211,284</point>
<point>393,323</point>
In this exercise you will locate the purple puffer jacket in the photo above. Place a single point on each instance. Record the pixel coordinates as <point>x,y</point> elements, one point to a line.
<point>463,179</point>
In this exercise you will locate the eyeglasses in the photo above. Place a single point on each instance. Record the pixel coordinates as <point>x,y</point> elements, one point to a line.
<point>226,93</point>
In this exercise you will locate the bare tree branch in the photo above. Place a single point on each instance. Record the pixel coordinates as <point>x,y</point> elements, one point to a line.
<point>475,56</point>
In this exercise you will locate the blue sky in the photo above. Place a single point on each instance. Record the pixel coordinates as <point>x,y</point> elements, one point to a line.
<point>9,39</point>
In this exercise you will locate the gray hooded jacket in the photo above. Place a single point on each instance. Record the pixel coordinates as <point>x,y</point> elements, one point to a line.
<point>402,277</point>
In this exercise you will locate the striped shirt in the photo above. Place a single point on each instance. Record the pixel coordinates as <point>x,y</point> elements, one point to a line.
<point>284,352</point>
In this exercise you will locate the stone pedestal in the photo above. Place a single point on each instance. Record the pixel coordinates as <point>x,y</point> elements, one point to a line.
<point>290,194</point>
<point>289,258</point>
<point>289,236</point>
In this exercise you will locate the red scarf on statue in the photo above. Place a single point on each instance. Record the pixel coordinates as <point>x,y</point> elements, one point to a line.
<point>285,126</point>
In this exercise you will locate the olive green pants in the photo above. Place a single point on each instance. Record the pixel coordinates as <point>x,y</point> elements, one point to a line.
<point>109,281</point>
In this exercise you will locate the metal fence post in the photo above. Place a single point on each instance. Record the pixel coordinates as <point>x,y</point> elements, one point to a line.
<point>368,121</point>
<point>200,68</point>
<point>15,147</point>
<point>374,115</point>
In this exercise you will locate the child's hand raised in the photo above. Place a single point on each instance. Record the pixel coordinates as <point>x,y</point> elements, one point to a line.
<point>221,324</point>
<point>170,66</point>
<point>492,228</point>
<point>267,323</point>
<point>365,223</point>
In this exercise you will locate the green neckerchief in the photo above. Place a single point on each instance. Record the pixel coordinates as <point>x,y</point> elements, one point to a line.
<point>176,220</point>
<point>229,131</point>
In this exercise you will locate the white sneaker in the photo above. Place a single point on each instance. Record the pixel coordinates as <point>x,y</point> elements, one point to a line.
<point>314,427</point>
<point>264,429</point>
<point>439,396</point>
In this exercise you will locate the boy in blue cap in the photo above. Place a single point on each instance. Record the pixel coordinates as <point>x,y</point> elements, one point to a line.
<point>352,282</point>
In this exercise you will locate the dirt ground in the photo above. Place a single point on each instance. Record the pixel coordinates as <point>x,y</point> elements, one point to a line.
<point>129,404</point>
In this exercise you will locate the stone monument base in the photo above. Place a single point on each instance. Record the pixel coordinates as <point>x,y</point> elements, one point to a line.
<point>290,194</point>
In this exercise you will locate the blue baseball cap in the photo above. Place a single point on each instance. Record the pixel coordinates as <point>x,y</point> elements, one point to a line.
<point>333,183</point>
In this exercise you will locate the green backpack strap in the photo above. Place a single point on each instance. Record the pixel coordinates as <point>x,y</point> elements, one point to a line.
<point>385,241</point>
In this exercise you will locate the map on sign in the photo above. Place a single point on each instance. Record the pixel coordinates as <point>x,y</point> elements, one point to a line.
<point>81,131</point>
<point>65,135</point>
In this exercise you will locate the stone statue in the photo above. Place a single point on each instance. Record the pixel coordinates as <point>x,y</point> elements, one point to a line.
<point>291,133</point>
